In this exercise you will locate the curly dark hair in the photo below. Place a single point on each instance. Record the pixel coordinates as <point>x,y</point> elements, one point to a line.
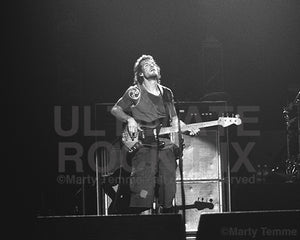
<point>137,69</point>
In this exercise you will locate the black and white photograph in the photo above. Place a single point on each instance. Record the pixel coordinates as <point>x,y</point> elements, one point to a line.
<point>152,119</point>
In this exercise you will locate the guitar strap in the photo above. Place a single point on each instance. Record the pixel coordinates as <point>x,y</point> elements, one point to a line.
<point>165,100</point>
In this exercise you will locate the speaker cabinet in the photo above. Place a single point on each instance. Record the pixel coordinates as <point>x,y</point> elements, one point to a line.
<point>259,225</point>
<point>203,177</point>
<point>133,227</point>
<point>201,156</point>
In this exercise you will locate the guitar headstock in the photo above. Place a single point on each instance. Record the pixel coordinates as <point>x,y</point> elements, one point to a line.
<point>200,205</point>
<point>227,121</point>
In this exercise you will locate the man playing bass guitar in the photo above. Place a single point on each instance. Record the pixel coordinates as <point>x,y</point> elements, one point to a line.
<point>145,107</point>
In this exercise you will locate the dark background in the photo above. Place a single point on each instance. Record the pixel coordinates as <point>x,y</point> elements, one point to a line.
<point>84,51</point>
<point>81,52</point>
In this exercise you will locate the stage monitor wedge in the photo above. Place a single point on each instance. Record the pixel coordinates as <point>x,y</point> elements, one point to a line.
<point>259,225</point>
<point>113,227</point>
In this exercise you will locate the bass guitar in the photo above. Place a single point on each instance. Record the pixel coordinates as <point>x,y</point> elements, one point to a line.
<point>132,143</point>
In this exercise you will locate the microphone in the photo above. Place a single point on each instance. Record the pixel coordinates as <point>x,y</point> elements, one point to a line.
<point>297,98</point>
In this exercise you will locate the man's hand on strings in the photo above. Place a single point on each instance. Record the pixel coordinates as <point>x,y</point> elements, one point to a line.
<point>133,127</point>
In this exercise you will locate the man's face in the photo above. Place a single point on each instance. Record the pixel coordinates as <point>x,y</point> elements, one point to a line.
<point>149,69</point>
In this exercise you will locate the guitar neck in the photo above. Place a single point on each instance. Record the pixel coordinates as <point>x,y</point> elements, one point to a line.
<point>167,130</point>
<point>186,207</point>
<point>197,205</point>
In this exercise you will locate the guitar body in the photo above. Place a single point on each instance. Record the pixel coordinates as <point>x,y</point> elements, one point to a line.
<point>146,138</point>
<point>131,143</point>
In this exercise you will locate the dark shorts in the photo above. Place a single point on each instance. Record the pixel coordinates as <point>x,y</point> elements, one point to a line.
<point>150,169</point>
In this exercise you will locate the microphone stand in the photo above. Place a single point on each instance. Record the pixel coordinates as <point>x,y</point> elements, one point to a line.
<point>297,99</point>
<point>297,103</point>
<point>180,143</point>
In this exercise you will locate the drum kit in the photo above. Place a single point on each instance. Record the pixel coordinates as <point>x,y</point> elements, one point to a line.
<point>291,116</point>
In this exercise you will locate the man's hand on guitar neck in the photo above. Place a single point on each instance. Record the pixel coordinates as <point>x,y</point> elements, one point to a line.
<point>192,131</point>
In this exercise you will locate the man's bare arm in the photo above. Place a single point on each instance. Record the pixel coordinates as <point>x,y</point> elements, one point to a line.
<point>132,125</point>
<point>174,123</point>
<point>118,112</point>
